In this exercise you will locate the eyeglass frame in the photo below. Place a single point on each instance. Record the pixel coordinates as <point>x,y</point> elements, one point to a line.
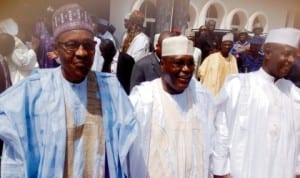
<point>76,46</point>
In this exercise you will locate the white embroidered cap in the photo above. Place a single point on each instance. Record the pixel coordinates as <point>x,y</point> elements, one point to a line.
<point>227,37</point>
<point>177,45</point>
<point>286,36</point>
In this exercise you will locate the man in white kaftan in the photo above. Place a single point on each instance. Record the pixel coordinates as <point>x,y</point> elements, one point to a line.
<point>67,121</point>
<point>175,118</point>
<point>257,122</point>
<point>23,59</point>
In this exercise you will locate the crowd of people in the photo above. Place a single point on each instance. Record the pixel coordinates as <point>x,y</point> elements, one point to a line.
<point>77,103</point>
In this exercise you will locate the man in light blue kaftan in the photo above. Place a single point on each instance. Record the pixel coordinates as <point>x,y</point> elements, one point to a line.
<point>67,121</point>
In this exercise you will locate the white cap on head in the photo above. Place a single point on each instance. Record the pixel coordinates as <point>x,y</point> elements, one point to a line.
<point>155,40</point>
<point>227,37</point>
<point>9,26</point>
<point>177,45</point>
<point>286,36</point>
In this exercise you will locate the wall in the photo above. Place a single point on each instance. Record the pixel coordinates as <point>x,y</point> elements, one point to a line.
<point>278,13</point>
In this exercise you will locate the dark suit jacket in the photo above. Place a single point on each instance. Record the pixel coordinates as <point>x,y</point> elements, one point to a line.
<point>5,81</point>
<point>146,69</point>
<point>124,69</point>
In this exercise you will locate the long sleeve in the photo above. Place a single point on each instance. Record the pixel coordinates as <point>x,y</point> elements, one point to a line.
<point>225,104</point>
<point>221,142</point>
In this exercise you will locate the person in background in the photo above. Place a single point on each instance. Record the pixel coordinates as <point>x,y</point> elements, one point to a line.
<point>117,63</point>
<point>208,42</point>
<point>252,59</point>
<point>257,29</point>
<point>67,121</point>
<point>202,43</point>
<point>257,119</point>
<point>102,29</point>
<point>212,38</point>
<point>197,52</point>
<point>242,44</point>
<point>217,66</point>
<point>148,67</point>
<point>23,59</point>
<point>175,117</point>
<point>43,33</point>
<point>7,45</point>
<point>136,43</point>
<point>127,27</point>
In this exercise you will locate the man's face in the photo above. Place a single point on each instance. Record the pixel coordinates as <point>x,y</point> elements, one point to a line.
<point>255,48</point>
<point>76,49</point>
<point>177,72</point>
<point>243,37</point>
<point>257,31</point>
<point>279,60</point>
<point>211,26</point>
<point>226,47</point>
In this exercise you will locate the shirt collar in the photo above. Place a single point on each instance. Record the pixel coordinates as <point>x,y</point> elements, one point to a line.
<point>265,75</point>
<point>156,56</point>
<point>116,56</point>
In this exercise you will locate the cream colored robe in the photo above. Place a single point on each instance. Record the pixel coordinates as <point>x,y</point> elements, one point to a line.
<point>214,70</point>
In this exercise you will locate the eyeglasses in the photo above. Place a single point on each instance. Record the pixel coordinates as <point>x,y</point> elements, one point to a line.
<point>72,46</point>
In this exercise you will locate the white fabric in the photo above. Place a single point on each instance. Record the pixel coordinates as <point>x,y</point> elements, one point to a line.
<point>22,61</point>
<point>98,59</point>
<point>103,22</point>
<point>155,41</point>
<point>127,16</point>
<point>227,37</point>
<point>197,58</point>
<point>288,36</point>
<point>139,47</point>
<point>146,99</point>
<point>114,63</point>
<point>177,45</point>
<point>258,127</point>
<point>9,26</point>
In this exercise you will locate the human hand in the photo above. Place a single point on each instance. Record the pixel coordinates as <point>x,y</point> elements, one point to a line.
<point>52,55</point>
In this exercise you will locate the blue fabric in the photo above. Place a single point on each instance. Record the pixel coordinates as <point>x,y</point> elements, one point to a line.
<point>252,63</point>
<point>33,126</point>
